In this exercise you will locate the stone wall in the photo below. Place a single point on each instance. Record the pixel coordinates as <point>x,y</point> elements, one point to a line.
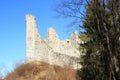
<point>51,50</point>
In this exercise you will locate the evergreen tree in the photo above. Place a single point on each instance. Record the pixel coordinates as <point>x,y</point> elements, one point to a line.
<point>102,25</point>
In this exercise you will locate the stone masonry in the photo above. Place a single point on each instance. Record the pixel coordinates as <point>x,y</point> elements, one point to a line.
<point>52,50</point>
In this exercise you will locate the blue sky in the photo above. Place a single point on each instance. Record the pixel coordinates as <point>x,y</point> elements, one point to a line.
<point>13,27</point>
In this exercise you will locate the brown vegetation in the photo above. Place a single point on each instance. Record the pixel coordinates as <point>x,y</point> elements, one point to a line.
<point>42,71</point>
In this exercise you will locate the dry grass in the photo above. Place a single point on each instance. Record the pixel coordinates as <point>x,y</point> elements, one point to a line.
<point>41,71</point>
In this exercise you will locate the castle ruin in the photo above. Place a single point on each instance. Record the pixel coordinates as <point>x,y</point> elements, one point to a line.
<point>51,50</point>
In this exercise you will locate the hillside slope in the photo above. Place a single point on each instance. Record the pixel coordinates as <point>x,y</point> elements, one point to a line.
<point>41,71</point>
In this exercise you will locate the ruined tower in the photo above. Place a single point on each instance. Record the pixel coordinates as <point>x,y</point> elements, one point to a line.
<point>32,36</point>
<point>51,50</point>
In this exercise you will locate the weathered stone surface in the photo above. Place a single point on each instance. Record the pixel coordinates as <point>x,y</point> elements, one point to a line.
<point>52,39</point>
<point>51,50</point>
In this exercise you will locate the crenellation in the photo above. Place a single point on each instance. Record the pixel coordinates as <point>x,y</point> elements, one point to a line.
<point>52,49</point>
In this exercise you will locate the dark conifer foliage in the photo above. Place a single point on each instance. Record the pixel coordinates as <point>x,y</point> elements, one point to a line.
<point>102,25</point>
